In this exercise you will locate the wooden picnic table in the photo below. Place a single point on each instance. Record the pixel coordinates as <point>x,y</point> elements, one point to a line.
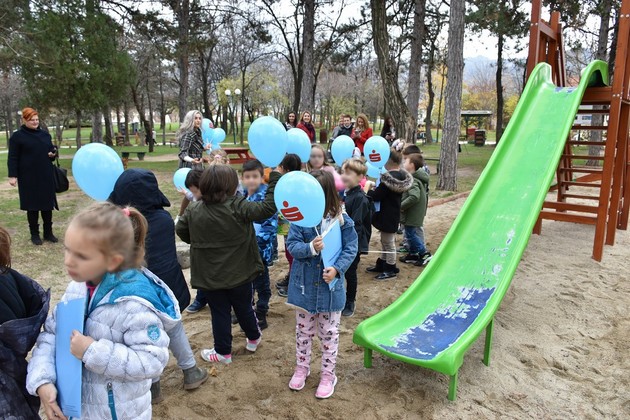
<point>242,154</point>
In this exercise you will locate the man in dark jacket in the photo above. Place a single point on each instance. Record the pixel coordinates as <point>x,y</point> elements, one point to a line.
<point>387,198</point>
<point>346,127</point>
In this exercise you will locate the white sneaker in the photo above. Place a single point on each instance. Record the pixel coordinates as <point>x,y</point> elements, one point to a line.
<point>211,355</point>
<point>252,345</point>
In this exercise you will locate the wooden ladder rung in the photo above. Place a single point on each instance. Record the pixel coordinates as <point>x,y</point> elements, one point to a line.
<point>590,127</point>
<point>593,111</point>
<point>568,217</point>
<point>581,196</point>
<point>580,184</point>
<point>570,207</point>
<point>577,169</point>
<point>583,157</point>
<point>586,143</point>
<point>597,95</point>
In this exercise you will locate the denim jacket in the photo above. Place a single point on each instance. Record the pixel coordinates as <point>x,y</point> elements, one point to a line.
<point>307,288</point>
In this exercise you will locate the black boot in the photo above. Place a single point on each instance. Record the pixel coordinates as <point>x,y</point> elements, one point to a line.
<point>390,271</point>
<point>48,233</point>
<point>349,309</point>
<point>262,320</point>
<point>35,238</point>
<point>156,393</point>
<point>379,267</point>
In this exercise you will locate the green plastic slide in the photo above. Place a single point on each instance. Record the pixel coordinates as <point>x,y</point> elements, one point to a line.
<point>455,298</point>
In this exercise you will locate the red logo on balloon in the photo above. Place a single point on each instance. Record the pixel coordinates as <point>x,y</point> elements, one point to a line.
<point>292,214</point>
<point>374,157</point>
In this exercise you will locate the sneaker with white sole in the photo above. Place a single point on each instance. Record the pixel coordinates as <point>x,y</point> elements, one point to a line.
<point>252,345</point>
<point>211,355</point>
<point>298,380</point>
<point>326,386</point>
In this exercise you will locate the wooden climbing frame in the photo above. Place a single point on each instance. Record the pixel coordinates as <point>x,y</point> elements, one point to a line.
<point>607,201</point>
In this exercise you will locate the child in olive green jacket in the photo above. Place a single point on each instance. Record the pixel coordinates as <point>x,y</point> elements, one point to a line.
<point>224,254</point>
<point>413,210</point>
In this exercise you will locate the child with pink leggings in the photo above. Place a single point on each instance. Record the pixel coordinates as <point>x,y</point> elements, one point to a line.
<point>317,291</point>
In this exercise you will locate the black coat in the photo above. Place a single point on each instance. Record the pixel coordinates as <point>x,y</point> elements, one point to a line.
<point>23,308</point>
<point>28,161</point>
<point>139,188</point>
<point>389,195</point>
<point>360,209</point>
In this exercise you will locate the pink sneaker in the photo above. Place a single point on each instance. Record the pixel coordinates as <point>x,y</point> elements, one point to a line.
<point>211,355</point>
<point>298,380</point>
<point>326,386</point>
<point>252,345</point>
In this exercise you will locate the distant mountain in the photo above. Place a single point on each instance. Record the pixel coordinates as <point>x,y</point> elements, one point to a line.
<point>474,64</point>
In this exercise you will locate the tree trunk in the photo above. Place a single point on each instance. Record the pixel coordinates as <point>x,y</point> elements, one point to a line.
<point>148,122</point>
<point>78,135</point>
<point>431,94</point>
<point>242,106</point>
<point>394,101</point>
<point>107,114</point>
<point>415,61</point>
<point>126,115</point>
<point>183,62</point>
<point>602,44</point>
<point>97,127</point>
<point>499,81</point>
<point>308,41</point>
<point>447,179</point>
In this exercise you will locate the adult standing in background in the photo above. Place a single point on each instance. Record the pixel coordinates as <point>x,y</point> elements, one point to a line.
<point>306,125</point>
<point>191,147</point>
<point>337,129</point>
<point>389,130</point>
<point>362,132</point>
<point>346,127</point>
<point>31,153</point>
<point>291,121</point>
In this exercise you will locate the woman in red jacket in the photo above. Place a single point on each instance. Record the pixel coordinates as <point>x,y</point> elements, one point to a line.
<point>306,124</point>
<point>362,132</point>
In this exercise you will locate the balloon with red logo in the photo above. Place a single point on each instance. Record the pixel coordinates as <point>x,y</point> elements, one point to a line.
<point>300,199</point>
<point>376,151</point>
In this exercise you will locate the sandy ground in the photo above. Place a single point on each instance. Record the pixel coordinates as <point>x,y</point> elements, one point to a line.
<point>559,351</point>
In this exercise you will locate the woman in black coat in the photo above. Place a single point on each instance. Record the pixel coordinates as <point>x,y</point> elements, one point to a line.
<point>23,310</point>
<point>31,153</point>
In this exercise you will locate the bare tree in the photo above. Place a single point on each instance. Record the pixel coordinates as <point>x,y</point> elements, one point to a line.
<point>415,61</point>
<point>394,101</point>
<point>447,179</point>
<point>308,41</point>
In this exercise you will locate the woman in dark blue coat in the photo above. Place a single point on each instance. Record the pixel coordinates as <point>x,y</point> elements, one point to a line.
<point>31,153</point>
<point>23,310</point>
<point>139,188</point>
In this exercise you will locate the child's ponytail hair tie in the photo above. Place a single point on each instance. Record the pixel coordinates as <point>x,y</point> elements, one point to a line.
<point>126,211</point>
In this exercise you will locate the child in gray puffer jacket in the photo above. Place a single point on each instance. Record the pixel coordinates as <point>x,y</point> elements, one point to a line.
<point>124,344</point>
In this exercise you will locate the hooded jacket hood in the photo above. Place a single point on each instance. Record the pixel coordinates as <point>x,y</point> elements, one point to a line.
<point>422,176</point>
<point>140,285</point>
<point>138,188</point>
<point>398,181</point>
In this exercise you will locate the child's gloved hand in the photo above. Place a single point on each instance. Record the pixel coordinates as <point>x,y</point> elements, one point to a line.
<point>329,274</point>
<point>48,396</point>
<point>318,243</point>
<point>79,343</point>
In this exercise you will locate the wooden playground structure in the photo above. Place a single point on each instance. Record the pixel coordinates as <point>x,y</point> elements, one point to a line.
<point>609,182</point>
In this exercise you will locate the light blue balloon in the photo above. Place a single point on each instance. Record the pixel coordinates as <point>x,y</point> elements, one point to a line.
<point>95,168</point>
<point>268,140</point>
<point>218,136</point>
<point>373,171</point>
<point>179,178</point>
<point>342,149</point>
<point>300,199</point>
<point>376,151</point>
<point>299,143</point>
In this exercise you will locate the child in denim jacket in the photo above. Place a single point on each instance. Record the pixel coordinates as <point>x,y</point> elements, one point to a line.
<point>318,304</point>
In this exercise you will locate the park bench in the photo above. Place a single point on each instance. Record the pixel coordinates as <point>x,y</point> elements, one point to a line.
<point>242,154</point>
<point>139,153</point>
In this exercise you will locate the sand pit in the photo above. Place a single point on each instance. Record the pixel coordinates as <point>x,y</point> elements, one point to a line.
<point>559,350</point>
